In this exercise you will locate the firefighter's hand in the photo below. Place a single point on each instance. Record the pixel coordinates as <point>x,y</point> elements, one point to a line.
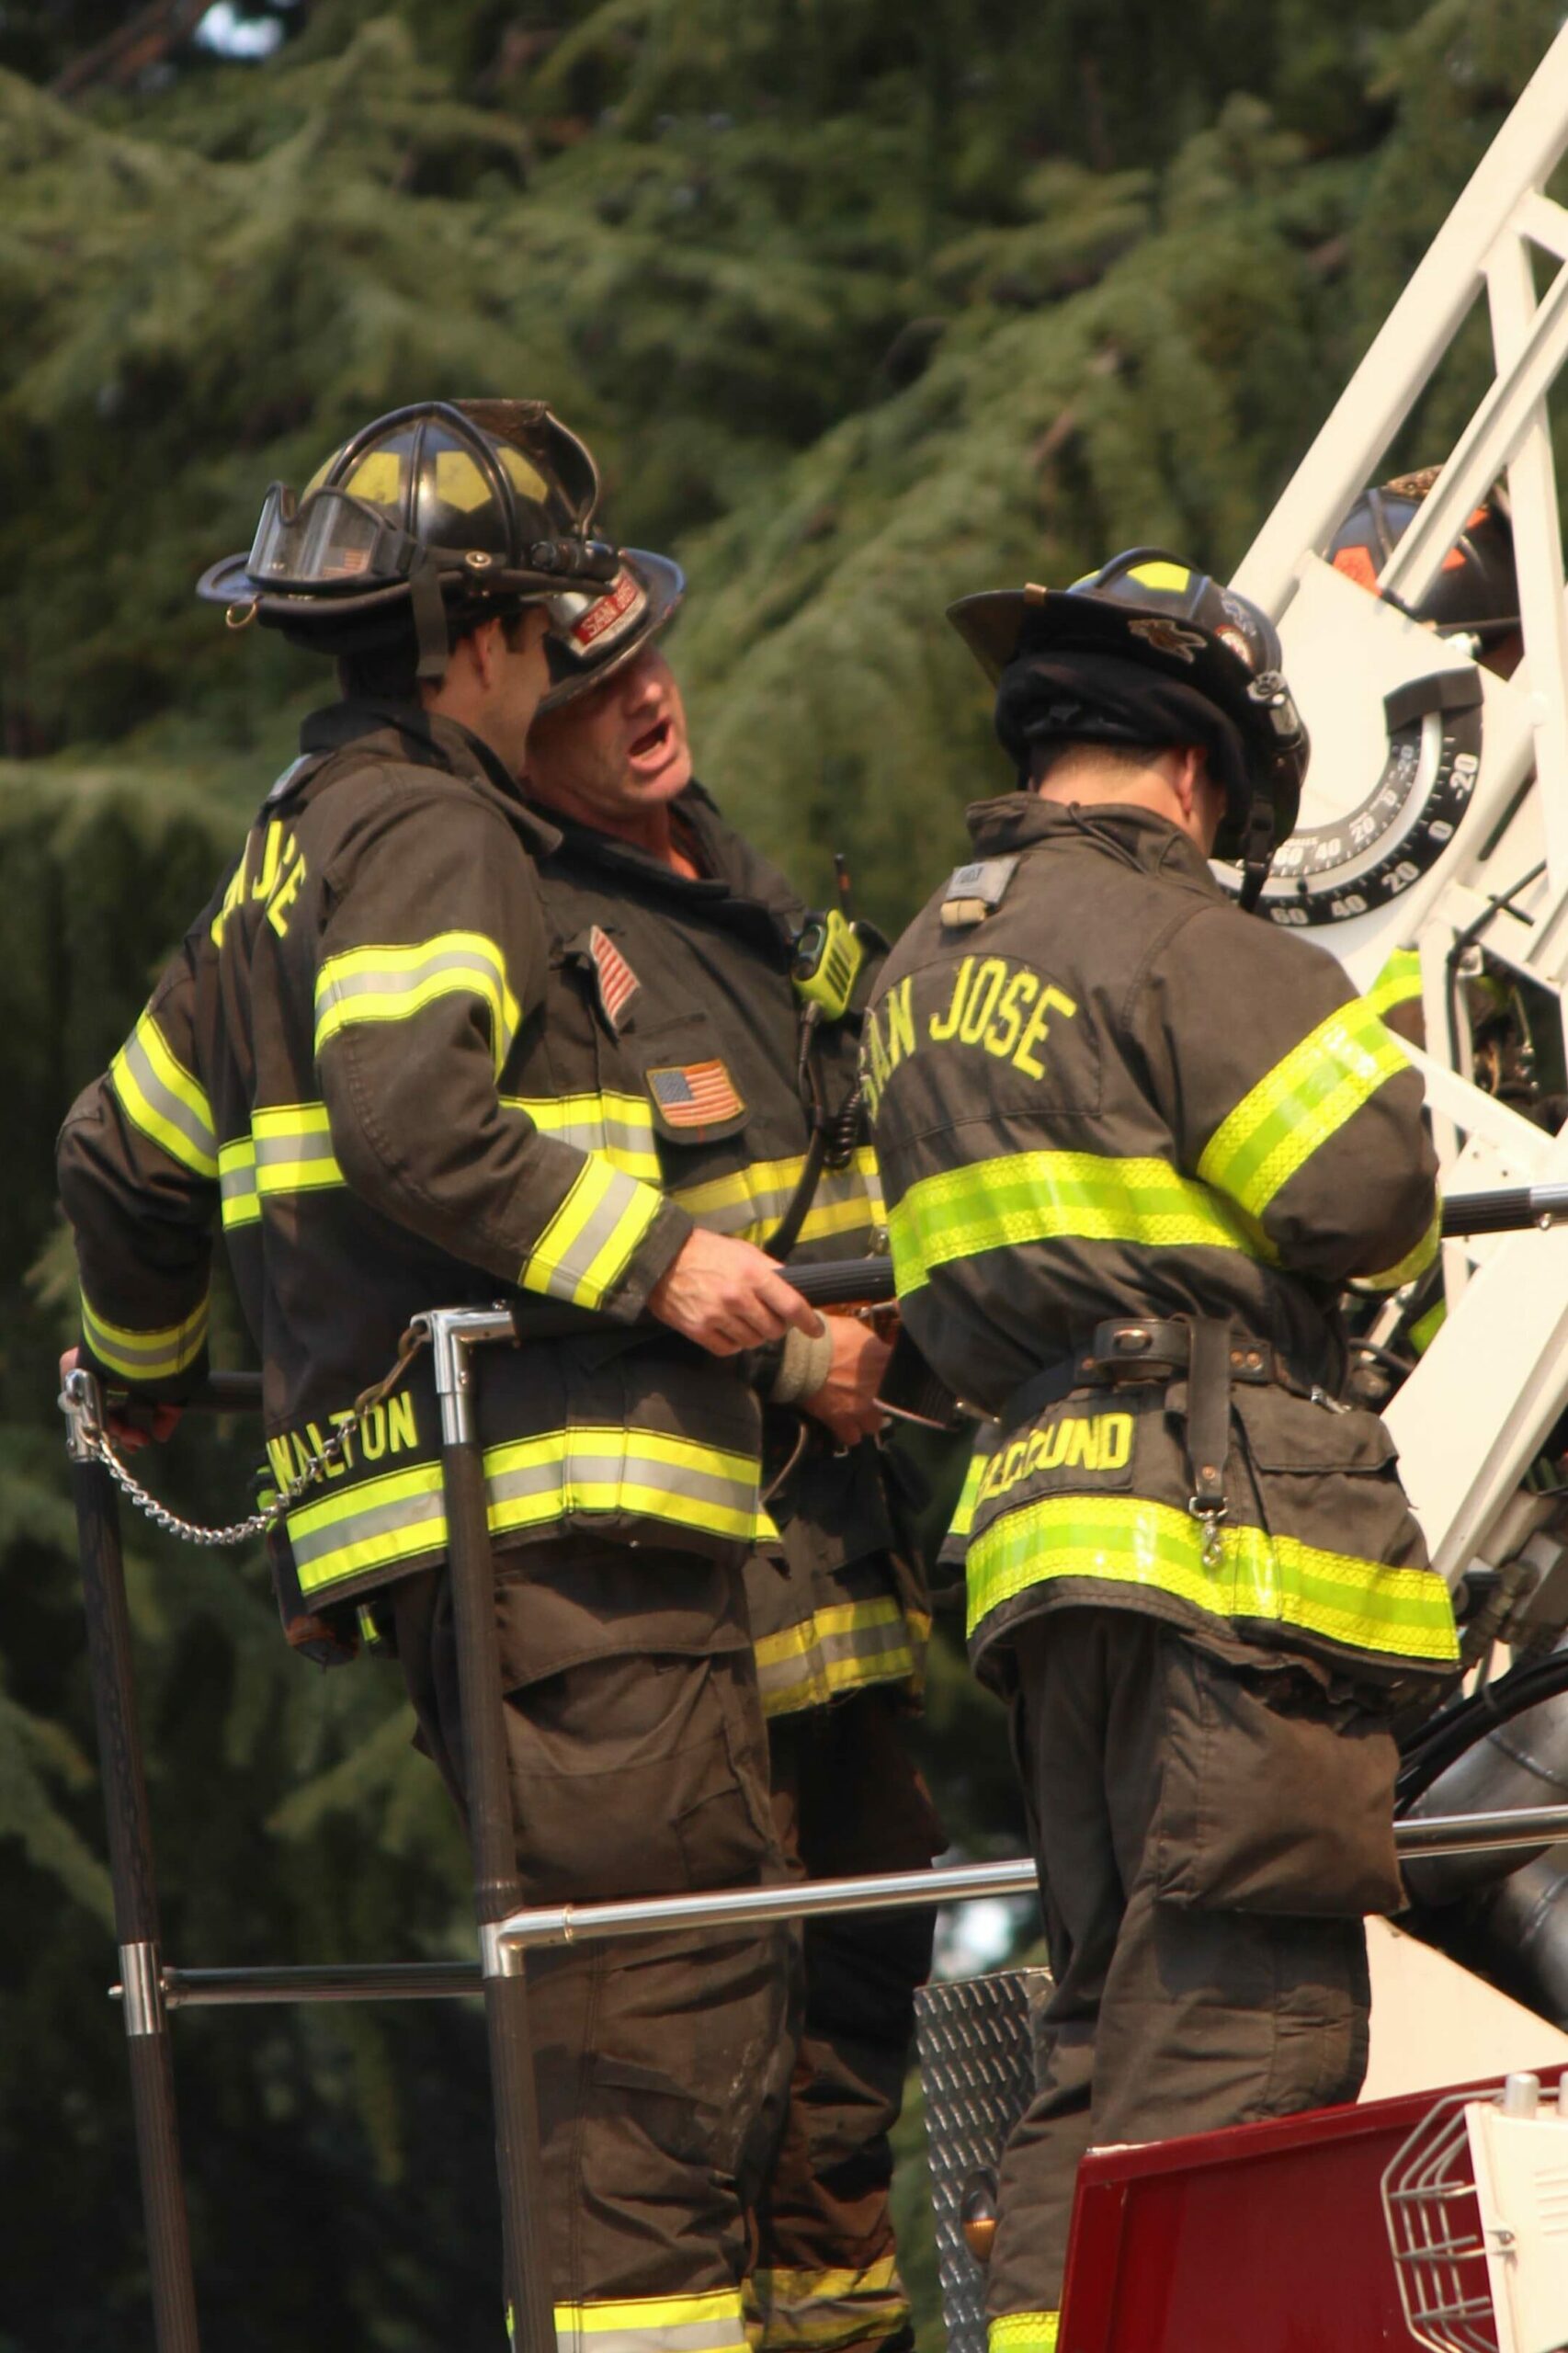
<point>158,1422</point>
<point>728,1295</point>
<point>846,1402</point>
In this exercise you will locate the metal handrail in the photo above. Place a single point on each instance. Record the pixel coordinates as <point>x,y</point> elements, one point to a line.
<point>565,1924</point>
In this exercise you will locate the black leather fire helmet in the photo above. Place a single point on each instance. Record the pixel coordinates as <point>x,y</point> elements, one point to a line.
<point>1147,650</point>
<point>444,513</point>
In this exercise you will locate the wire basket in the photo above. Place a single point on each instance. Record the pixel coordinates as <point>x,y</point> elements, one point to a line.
<point>1434,2226</point>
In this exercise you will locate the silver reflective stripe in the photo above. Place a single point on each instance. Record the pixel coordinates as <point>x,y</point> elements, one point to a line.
<point>368,1526</point>
<point>236,1183</point>
<point>654,2336</point>
<point>582,1468</point>
<point>291,1149</point>
<point>618,1125</point>
<point>584,1250</point>
<point>863,1645</point>
<point>172,1108</point>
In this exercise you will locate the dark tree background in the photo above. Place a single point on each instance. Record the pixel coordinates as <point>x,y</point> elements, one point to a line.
<point>862,306</point>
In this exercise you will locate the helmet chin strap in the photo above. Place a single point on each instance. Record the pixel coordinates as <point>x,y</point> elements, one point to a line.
<point>1258,853</point>
<point>429,619</point>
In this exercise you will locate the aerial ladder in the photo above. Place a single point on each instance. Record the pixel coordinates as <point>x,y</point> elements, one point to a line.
<point>1435,823</point>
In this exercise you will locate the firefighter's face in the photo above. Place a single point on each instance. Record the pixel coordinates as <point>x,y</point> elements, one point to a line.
<point>616,752</point>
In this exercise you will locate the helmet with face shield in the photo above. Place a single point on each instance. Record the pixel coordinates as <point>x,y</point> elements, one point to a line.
<point>439,515</point>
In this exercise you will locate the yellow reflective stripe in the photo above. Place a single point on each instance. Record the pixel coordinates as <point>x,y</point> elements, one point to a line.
<point>643,1474</point>
<point>1415,1261</point>
<point>529,1482</point>
<point>796,2310</point>
<point>1057,1196</point>
<point>287,1150</point>
<point>377,1523</point>
<point>143,1354</point>
<point>618,1126</point>
<point>706,2323</point>
<point>237,1191</point>
<point>585,1249</point>
<point>293,1149</point>
<point>842,1648</point>
<point>394,984</point>
<point>1128,1540</point>
<point>1024,2333</point>
<point>749,1202</point>
<point>1397,984</point>
<point>162,1098</point>
<point>1304,1100</point>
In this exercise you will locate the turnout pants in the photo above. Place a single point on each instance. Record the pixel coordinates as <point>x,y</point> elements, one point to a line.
<point>847,1798</point>
<point>1208,1837</point>
<point>639,1767</point>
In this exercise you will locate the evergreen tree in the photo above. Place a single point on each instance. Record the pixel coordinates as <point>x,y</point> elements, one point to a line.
<point>863,307</point>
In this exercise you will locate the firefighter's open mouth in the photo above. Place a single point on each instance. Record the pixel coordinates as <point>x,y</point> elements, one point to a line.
<point>649,749</point>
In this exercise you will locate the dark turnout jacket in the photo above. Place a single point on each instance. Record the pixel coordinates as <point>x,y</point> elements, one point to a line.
<point>1098,1089</point>
<point>423,1050</point>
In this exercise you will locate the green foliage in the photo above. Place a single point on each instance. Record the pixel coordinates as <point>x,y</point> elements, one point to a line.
<point>863,307</point>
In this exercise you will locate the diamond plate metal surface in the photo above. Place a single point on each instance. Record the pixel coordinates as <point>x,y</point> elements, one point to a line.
<point>977,2042</point>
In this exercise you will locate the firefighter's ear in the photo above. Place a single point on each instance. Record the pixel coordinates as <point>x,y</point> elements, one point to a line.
<point>487,647</point>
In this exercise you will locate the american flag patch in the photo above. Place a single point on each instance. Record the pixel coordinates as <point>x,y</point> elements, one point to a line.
<point>617,983</point>
<point>697,1095</point>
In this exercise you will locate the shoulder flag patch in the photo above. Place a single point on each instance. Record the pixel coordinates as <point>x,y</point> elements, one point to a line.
<point>618,983</point>
<point>695,1094</point>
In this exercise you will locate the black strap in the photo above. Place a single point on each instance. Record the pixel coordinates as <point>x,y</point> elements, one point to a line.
<point>1208,1410</point>
<point>1046,1387</point>
<point>429,620</point>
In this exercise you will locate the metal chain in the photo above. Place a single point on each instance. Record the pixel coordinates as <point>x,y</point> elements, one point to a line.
<point>240,1531</point>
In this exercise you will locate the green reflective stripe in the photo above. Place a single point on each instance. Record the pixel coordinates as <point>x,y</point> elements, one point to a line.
<point>529,1482</point>
<point>1397,984</point>
<point>240,1200</point>
<point>1414,1262</point>
<point>1425,1328</point>
<point>1128,1540</point>
<point>749,1202</point>
<point>706,2323</point>
<point>394,984</point>
<point>585,1248</point>
<point>1024,2333</point>
<point>645,1474</point>
<point>293,1149</point>
<point>144,1356</point>
<point>1304,1100</point>
<point>162,1098</point>
<point>618,1126</point>
<point>839,1649</point>
<point>1056,1197</point>
<point>962,1520</point>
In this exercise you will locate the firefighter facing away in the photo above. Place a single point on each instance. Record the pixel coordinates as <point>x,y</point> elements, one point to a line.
<point>1133,1140</point>
<point>674,942</point>
<point>346,1065</point>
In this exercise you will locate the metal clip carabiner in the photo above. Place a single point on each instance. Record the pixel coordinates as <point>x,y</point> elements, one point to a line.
<point>1209,1515</point>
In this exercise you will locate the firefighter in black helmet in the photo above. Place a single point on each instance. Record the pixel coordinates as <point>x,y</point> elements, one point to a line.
<point>1476,593</point>
<point>1474,597</point>
<point>339,1067</point>
<point>1133,1141</point>
<point>1148,644</point>
<point>693,969</point>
